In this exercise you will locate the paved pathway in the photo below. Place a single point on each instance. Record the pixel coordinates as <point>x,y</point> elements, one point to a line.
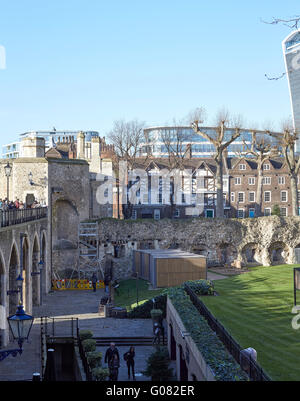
<point>84,305</point>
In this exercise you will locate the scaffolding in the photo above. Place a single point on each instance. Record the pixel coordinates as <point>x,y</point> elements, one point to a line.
<point>89,259</point>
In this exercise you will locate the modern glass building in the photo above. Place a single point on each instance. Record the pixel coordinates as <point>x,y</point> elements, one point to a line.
<point>291,51</point>
<point>159,139</point>
<point>12,150</point>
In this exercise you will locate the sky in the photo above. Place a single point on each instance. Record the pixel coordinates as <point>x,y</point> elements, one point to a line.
<point>82,64</point>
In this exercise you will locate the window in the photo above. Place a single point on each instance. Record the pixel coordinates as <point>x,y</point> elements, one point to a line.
<point>266,180</point>
<point>251,180</point>
<point>283,196</point>
<point>267,212</point>
<point>176,213</point>
<point>251,196</point>
<point>283,211</point>
<point>266,166</point>
<point>241,197</point>
<point>267,196</point>
<point>281,180</point>
<point>242,166</point>
<point>240,213</point>
<point>156,214</point>
<point>237,181</point>
<point>232,197</point>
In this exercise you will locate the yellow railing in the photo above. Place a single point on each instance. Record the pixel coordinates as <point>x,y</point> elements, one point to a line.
<point>74,284</point>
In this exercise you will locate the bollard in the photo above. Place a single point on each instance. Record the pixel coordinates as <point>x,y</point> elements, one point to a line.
<point>36,377</point>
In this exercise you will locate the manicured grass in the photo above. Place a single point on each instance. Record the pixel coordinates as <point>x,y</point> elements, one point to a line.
<point>256,308</point>
<point>127,293</point>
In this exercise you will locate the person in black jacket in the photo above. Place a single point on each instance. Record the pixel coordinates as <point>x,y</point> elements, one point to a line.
<point>129,358</point>
<point>111,352</point>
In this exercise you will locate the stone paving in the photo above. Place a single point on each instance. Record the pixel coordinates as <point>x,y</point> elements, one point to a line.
<point>83,305</point>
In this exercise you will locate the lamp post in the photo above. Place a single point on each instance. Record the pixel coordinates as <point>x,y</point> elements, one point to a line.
<point>7,169</point>
<point>20,325</point>
<point>30,178</point>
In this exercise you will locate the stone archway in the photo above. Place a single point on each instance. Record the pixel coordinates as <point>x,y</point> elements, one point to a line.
<point>44,266</point>
<point>226,253</point>
<point>2,302</point>
<point>13,273</point>
<point>200,249</point>
<point>278,253</point>
<point>26,273</point>
<point>35,269</point>
<point>65,225</point>
<point>251,254</point>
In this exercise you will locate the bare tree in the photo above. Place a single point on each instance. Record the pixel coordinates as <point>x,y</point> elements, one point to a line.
<point>291,22</point>
<point>220,143</point>
<point>288,140</point>
<point>127,137</point>
<point>261,149</point>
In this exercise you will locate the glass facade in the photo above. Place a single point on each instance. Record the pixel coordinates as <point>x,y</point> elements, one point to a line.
<point>291,49</point>
<point>159,139</point>
<point>13,150</point>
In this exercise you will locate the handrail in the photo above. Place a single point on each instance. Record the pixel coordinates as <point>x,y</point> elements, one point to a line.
<point>12,217</point>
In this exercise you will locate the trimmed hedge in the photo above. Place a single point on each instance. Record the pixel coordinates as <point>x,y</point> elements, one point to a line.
<point>144,311</point>
<point>223,365</point>
<point>201,287</point>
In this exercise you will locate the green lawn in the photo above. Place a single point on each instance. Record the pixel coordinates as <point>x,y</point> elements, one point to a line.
<point>256,308</point>
<point>126,295</point>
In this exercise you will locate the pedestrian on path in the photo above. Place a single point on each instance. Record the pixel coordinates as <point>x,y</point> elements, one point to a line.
<point>157,333</point>
<point>113,366</point>
<point>111,352</point>
<point>129,358</point>
<point>94,282</point>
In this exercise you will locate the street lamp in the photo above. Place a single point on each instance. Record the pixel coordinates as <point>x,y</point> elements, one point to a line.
<point>19,281</point>
<point>30,178</point>
<point>20,325</point>
<point>7,170</point>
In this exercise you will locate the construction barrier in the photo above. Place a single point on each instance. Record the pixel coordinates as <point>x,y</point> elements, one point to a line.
<point>74,284</point>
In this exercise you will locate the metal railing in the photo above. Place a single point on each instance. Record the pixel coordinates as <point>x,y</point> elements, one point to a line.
<point>12,217</point>
<point>248,364</point>
<point>86,366</point>
<point>56,327</point>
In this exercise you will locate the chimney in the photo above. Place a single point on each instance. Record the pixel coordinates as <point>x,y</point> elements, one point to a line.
<point>188,152</point>
<point>81,145</point>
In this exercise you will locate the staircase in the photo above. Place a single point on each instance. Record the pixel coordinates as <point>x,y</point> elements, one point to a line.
<point>127,341</point>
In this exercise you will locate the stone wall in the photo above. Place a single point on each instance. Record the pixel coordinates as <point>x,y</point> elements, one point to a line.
<point>264,241</point>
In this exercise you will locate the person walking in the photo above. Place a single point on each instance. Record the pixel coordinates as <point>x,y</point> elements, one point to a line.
<point>129,358</point>
<point>110,352</point>
<point>113,366</point>
<point>157,333</point>
<point>94,282</point>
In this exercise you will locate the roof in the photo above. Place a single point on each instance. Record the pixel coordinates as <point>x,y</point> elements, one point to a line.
<point>170,253</point>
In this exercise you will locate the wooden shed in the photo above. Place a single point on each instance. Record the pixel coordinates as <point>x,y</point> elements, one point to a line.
<point>169,267</point>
